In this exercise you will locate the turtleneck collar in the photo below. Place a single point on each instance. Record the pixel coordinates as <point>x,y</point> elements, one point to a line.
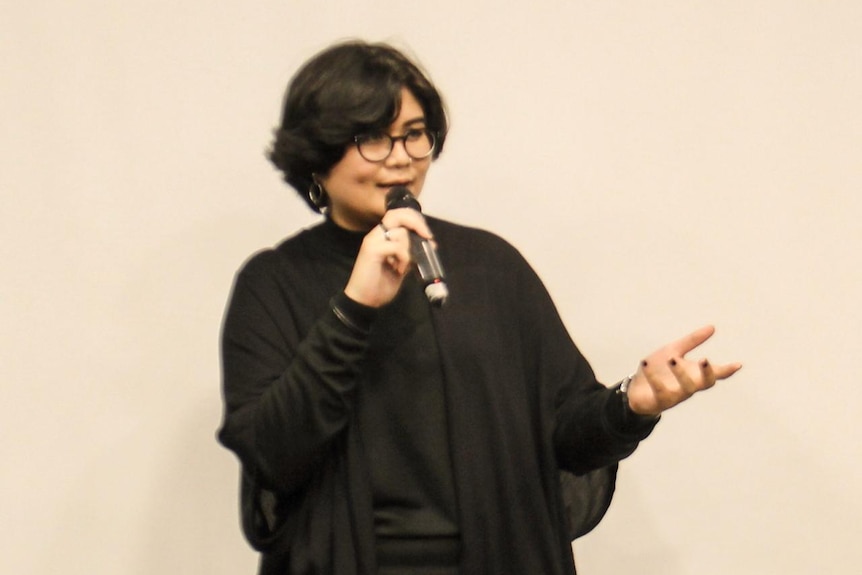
<point>342,241</point>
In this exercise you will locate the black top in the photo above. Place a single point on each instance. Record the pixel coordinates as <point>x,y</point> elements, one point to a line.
<point>401,414</point>
<point>310,403</point>
<point>402,422</point>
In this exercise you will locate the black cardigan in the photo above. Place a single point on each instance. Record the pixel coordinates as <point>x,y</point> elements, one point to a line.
<point>522,405</point>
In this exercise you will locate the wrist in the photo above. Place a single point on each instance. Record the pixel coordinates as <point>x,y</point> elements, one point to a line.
<point>630,414</point>
<point>353,314</point>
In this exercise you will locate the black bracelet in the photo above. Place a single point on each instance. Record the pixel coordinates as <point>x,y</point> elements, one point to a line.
<point>347,321</point>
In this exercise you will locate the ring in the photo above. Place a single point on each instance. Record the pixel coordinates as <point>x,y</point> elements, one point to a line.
<point>385,232</point>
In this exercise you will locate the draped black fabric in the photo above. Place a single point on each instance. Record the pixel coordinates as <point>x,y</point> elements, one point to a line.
<point>533,440</point>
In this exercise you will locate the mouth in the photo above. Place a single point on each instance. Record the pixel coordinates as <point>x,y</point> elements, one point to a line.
<point>390,185</point>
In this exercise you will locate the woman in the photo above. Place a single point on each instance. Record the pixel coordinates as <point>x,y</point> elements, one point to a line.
<point>378,434</point>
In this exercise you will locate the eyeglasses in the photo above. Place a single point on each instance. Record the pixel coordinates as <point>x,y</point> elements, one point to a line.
<point>418,143</point>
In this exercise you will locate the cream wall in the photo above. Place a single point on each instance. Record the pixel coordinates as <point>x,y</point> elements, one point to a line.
<point>662,165</point>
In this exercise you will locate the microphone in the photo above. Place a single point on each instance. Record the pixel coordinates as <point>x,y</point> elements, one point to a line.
<point>421,250</point>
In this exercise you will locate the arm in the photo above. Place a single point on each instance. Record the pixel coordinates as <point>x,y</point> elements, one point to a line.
<point>663,380</point>
<point>589,430</point>
<point>286,396</point>
<point>289,382</point>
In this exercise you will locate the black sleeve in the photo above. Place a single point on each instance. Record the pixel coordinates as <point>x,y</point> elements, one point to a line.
<point>287,394</point>
<point>592,429</point>
<point>589,432</point>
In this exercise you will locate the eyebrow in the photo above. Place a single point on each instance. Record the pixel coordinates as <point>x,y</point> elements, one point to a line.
<point>419,120</point>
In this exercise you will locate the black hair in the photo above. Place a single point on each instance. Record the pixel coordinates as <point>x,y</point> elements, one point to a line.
<point>348,89</point>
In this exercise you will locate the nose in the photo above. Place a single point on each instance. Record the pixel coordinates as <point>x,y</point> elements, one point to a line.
<point>399,157</point>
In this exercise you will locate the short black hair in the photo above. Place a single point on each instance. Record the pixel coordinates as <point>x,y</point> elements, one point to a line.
<point>350,88</point>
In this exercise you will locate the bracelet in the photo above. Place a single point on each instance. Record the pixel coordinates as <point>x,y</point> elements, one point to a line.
<point>623,392</point>
<point>624,386</point>
<point>345,319</point>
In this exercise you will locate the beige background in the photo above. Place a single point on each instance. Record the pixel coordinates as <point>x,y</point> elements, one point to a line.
<point>663,165</point>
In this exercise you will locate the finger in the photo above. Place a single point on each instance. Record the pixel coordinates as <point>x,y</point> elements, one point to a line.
<point>407,218</point>
<point>397,244</point>
<point>392,246</point>
<point>387,232</point>
<point>685,344</point>
<point>397,266</point>
<point>686,383</point>
<point>707,373</point>
<point>384,230</point>
<point>662,381</point>
<point>725,371</point>
<point>396,250</point>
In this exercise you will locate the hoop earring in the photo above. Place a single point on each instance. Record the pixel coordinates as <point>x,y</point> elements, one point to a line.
<point>317,196</point>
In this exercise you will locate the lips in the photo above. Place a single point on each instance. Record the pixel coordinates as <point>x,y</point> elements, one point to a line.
<point>390,185</point>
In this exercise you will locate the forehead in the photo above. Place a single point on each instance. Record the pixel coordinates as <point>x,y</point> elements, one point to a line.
<point>410,111</point>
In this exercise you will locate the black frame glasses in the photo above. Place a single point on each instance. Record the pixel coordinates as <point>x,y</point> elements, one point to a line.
<point>372,146</point>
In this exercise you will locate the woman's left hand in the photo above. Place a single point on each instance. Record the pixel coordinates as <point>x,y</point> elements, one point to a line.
<point>666,378</point>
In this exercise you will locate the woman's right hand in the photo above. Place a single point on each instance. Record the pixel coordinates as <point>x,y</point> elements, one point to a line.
<point>384,258</point>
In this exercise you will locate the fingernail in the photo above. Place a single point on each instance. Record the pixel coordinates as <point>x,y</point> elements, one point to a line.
<point>704,364</point>
<point>644,363</point>
<point>672,362</point>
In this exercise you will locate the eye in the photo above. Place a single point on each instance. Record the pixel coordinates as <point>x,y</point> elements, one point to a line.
<point>375,139</point>
<point>415,134</point>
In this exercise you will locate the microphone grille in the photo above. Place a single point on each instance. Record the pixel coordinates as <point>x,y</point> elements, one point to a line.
<point>400,197</point>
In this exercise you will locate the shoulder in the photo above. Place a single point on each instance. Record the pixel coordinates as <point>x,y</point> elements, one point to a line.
<point>463,232</point>
<point>457,242</point>
<point>479,257</point>
<point>289,250</point>
<point>281,269</point>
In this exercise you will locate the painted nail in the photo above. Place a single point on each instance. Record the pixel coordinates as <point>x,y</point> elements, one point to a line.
<point>704,364</point>
<point>672,362</point>
<point>644,363</point>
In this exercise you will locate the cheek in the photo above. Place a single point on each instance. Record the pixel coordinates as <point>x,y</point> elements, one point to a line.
<point>349,174</point>
<point>362,173</point>
<point>366,176</point>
